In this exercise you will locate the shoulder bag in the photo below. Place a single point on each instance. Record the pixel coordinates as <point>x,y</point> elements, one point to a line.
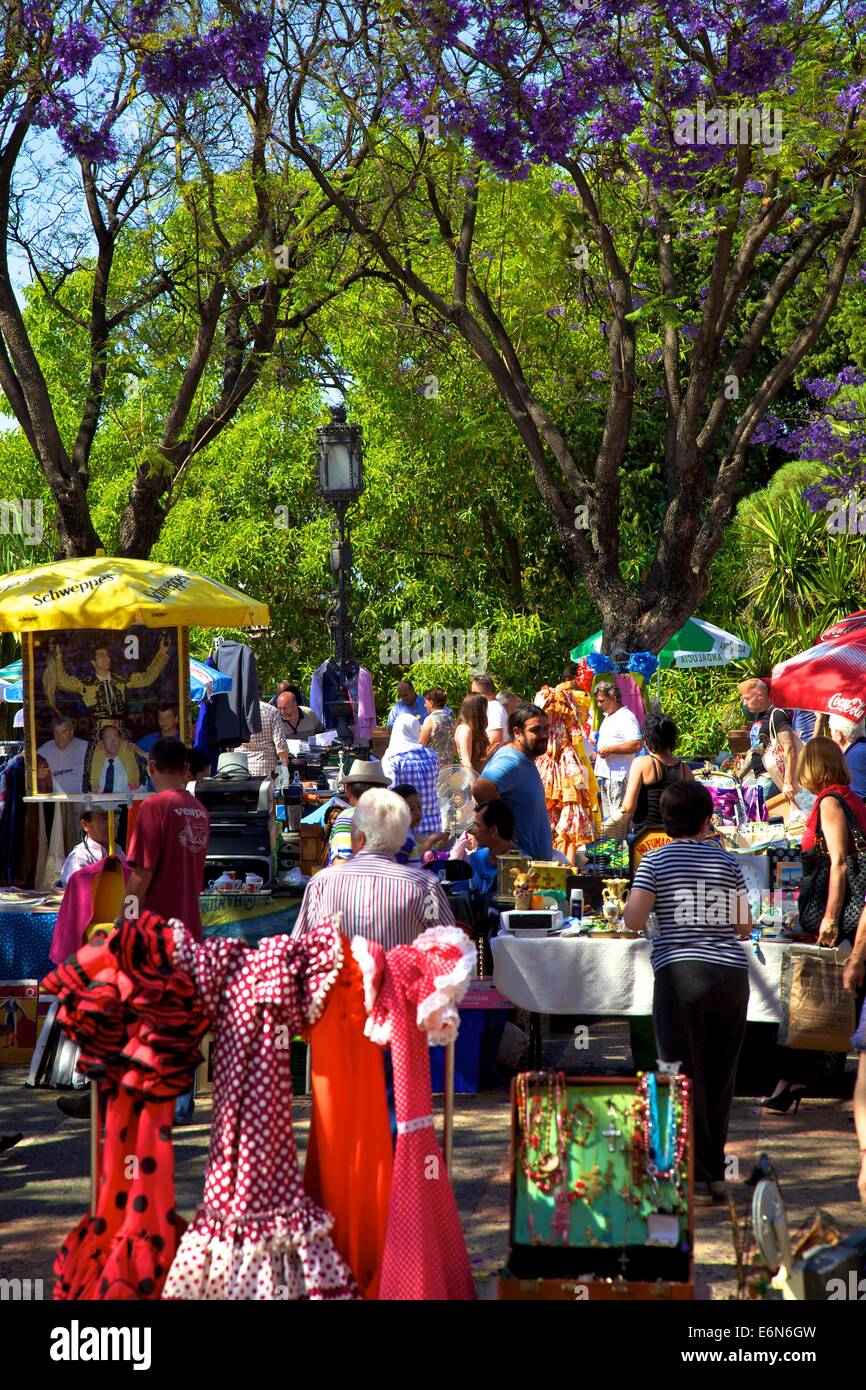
<point>815,885</point>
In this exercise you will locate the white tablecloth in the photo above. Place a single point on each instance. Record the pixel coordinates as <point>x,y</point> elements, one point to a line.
<point>586,975</point>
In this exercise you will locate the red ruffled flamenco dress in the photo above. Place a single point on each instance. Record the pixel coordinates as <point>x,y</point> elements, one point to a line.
<point>415,1009</point>
<point>257,1235</point>
<point>138,1022</point>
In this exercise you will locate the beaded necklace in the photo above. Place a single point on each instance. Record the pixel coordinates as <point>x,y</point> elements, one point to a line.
<point>664,1165</point>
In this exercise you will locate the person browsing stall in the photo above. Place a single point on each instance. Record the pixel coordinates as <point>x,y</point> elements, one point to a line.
<point>362,777</point>
<point>408,701</point>
<point>380,899</point>
<point>701,989</point>
<point>406,760</point>
<point>770,724</point>
<point>168,848</point>
<point>497,718</point>
<point>850,736</point>
<point>511,776</point>
<point>617,741</point>
<point>93,846</point>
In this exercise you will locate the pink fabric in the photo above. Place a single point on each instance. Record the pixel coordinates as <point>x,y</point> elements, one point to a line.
<point>425,1252</point>
<point>631,697</point>
<point>366,712</point>
<point>76,910</point>
<point>257,1235</point>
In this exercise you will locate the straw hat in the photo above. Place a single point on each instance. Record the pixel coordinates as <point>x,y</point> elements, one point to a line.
<point>363,770</point>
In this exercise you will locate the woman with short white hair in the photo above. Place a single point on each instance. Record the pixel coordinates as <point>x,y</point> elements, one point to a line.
<point>380,823</point>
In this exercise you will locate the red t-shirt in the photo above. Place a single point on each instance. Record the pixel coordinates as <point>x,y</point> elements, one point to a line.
<point>170,840</point>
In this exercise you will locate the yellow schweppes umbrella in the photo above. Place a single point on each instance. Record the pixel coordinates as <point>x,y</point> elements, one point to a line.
<point>98,591</point>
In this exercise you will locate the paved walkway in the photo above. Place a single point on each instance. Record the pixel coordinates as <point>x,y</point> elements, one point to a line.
<point>44,1185</point>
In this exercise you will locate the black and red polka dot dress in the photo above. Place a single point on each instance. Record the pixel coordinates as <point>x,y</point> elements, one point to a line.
<point>138,1021</point>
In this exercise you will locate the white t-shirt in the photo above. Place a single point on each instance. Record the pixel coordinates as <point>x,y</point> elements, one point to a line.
<point>88,852</point>
<point>67,764</point>
<point>620,727</point>
<point>497,719</point>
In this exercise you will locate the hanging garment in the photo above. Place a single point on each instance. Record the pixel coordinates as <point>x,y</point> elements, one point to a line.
<point>52,850</point>
<point>570,787</point>
<point>234,715</point>
<point>415,1009</point>
<point>325,687</point>
<point>138,1022</point>
<point>256,1234</point>
<point>93,894</point>
<point>12,823</point>
<point>349,1153</point>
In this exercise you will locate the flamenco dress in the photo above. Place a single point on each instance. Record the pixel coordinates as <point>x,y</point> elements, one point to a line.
<point>256,1234</point>
<point>415,1009</point>
<point>138,1023</point>
<point>349,1153</point>
<point>570,787</point>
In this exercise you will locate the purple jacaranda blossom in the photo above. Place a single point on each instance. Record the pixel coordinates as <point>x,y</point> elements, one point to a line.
<point>75,49</point>
<point>597,375</point>
<point>821,388</point>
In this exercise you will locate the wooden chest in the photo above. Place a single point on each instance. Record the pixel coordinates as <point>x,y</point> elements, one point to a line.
<point>635,1267</point>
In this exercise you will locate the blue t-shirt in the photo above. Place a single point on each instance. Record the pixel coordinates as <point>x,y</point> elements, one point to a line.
<point>520,787</point>
<point>419,709</point>
<point>855,758</point>
<point>484,874</point>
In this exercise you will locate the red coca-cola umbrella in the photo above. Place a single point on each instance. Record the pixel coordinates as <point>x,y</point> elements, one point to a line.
<point>829,677</point>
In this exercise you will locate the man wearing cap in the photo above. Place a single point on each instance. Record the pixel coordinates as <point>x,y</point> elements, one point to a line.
<point>362,775</point>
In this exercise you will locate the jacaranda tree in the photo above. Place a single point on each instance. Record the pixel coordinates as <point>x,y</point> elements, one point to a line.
<point>711,156</point>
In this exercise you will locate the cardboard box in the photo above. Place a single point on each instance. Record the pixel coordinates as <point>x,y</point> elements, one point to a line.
<point>550,874</point>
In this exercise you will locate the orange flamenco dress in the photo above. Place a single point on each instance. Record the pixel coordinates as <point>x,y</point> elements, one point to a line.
<point>570,787</point>
<point>350,1152</point>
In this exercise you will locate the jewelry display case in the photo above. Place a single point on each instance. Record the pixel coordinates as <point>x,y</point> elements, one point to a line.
<point>601,1188</point>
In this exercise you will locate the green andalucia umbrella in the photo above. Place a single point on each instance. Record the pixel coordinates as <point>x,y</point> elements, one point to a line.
<point>697,644</point>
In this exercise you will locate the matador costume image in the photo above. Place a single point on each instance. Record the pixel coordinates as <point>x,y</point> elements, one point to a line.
<point>105,693</point>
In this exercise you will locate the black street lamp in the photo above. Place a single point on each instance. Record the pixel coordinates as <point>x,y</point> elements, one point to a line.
<point>341,482</point>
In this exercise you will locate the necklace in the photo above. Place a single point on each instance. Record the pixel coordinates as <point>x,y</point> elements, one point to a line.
<point>539,1147</point>
<point>661,1165</point>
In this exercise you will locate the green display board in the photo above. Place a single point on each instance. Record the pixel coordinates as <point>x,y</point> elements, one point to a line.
<point>612,1196</point>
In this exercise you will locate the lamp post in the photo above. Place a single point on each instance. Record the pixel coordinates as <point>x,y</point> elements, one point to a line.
<point>341,482</point>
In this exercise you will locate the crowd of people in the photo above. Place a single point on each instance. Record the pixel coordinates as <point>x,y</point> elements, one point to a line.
<point>546,778</point>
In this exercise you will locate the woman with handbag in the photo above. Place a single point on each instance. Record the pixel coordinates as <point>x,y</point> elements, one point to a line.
<point>833,886</point>
<point>853,978</point>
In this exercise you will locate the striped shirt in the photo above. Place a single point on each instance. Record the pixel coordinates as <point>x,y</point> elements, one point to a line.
<point>384,901</point>
<point>340,838</point>
<point>697,887</point>
<point>419,768</point>
<point>264,748</point>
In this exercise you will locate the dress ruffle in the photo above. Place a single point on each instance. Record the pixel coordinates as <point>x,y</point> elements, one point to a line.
<point>276,1255</point>
<point>134,1013</point>
<point>455,959</point>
